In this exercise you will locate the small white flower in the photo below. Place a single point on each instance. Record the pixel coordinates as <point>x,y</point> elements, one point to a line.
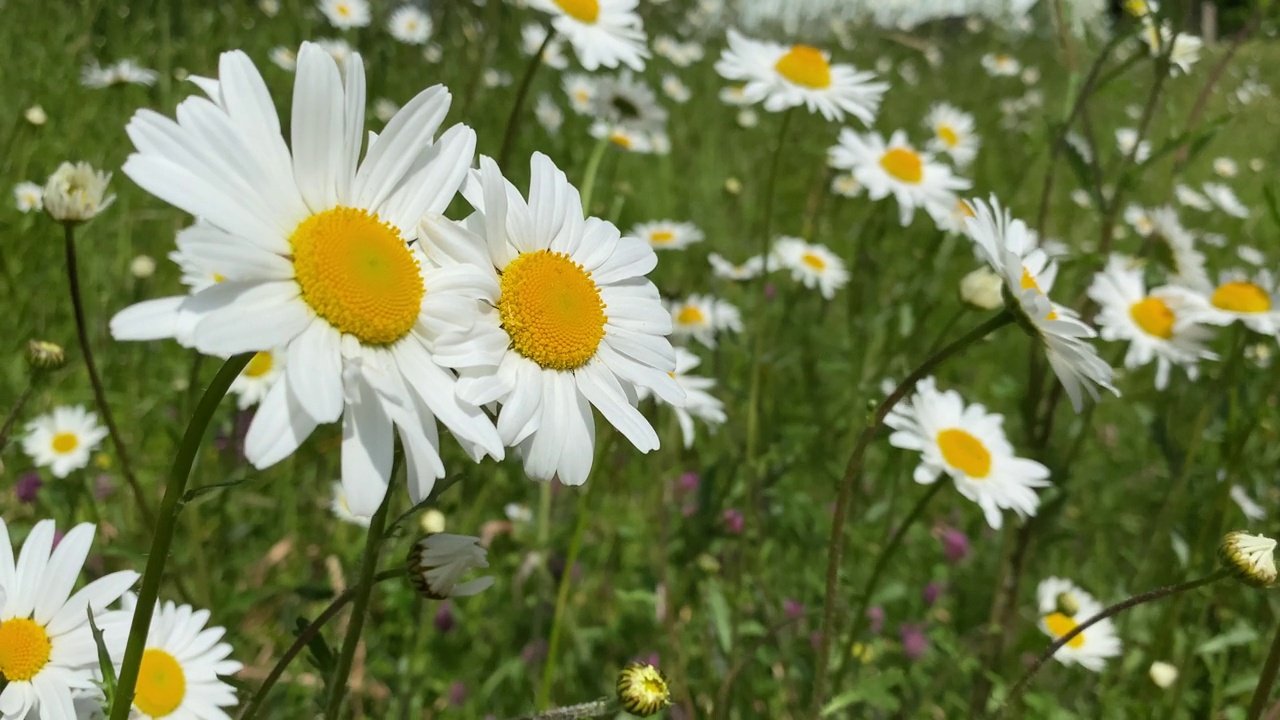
<point>35,115</point>
<point>668,234</point>
<point>283,58</point>
<point>1063,606</point>
<point>76,193</point>
<point>1225,199</point>
<point>701,317</point>
<point>258,377</point>
<point>1001,65</point>
<point>410,25</point>
<point>346,14</point>
<point>548,113</point>
<point>63,439</point>
<point>813,265</point>
<point>675,88</point>
<point>846,185</point>
<point>1250,557</point>
<point>142,267</point>
<point>699,403</point>
<point>28,197</point>
<point>1163,674</point>
<point>1225,167</point>
<point>1190,198</point>
<point>438,561</point>
<point>1127,141</point>
<point>385,109</point>
<point>722,268</point>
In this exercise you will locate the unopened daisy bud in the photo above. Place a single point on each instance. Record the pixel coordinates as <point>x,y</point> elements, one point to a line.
<point>732,185</point>
<point>981,289</point>
<point>438,561</point>
<point>36,115</point>
<point>1067,604</point>
<point>142,267</point>
<point>44,355</point>
<point>433,521</point>
<point>1163,674</point>
<point>1250,557</point>
<point>643,690</point>
<point>75,193</point>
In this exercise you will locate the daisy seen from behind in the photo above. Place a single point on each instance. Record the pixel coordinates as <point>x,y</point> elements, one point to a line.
<point>701,317</point>
<point>603,33</point>
<point>968,444</point>
<point>896,168</point>
<point>569,321</point>
<point>318,262</point>
<point>1009,247</point>
<point>668,234</point>
<point>63,439</point>
<point>784,77</point>
<point>1062,607</point>
<point>47,652</point>
<point>953,133</point>
<point>815,266</point>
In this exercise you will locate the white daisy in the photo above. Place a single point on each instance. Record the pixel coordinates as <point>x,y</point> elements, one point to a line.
<point>258,377</point>
<point>1127,139</point>
<point>346,14</point>
<point>319,262</point>
<point>1009,247</point>
<point>953,133</point>
<point>734,95</point>
<point>1253,300</point>
<point>581,90</point>
<point>668,234</point>
<point>1062,607</point>
<point>814,265</point>
<point>702,316</point>
<point>675,88</point>
<point>1184,51</point>
<point>568,320</point>
<point>533,35</point>
<point>846,185</point>
<point>342,510</point>
<point>410,25</point>
<point>912,177</point>
<point>604,33</point>
<point>1183,258</point>
<point>48,654</point>
<point>1001,65</point>
<point>63,439</point>
<point>123,72</point>
<point>625,104</point>
<point>627,138</point>
<point>283,58</point>
<point>699,403</point>
<point>1226,199</point>
<point>438,561</point>
<point>1139,219</point>
<point>28,197</point>
<point>1190,198</point>
<point>1152,322</point>
<point>784,77</point>
<point>1225,167</point>
<point>968,444</point>
<point>722,268</point>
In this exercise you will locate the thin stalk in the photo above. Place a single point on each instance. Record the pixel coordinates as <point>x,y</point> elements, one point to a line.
<point>594,709</point>
<point>1111,611</point>
<point>99,395</point>
<point>853,470</point>
<point>166,524</point>
<point>1262,693</point>
<point>16,410</point>
<point>513,120</point>
<point>304,638</point>
<point>360,602</point>
<point>593,169</point>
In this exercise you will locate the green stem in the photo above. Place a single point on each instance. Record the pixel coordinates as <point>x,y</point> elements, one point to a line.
<point>1262,693</point>
<point>513,120</point>
<point>594,709</point>
<point>166,523</point>
<point>16,410</point>
<point>854,470</point>
<point>360,602</point>
<point>593,169</point>
<point>99,395</point>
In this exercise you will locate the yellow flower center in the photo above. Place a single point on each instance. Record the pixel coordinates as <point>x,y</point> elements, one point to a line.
<point>661,237</point>
<point>1060,625</point>
<point>344,11</point>
<point>65,442</point>
<point>948,135</point>
<point>963,208</point>
<point>1153,316</point>
<point>1241,297</point>
<point>965,453</point>
<point>24,649</point>
<point>218,277</point>
<point>814,261</point>
<point>691,315</point>
<point>904,164</point>
<point>620,139</point>
<point>161,684</point>
<point>551,309</point>
<point>804,65</point>
<point>358,274</point>
<point>260,365</point>
<point>581,10</point>
<point>1029,283</point>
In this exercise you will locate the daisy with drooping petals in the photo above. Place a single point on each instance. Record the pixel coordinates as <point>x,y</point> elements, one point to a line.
<point>410,25</point>
<point>912,177</point>
<point>1009,247</point>
<point>438,561</point>
<point>952,133</point>
<point>604,33</point>
<point>1152,322</point>
<point>319,262</point>
<point>63,439</point>
<point>699,403</point>
<point>1062,607</point>
<point>785,77</point>
<point>813,265</point>
<point>750,269</point>
<point>668,234</point>
<point>1253,300</point>
<point>258,377</point>
<point>346,14</point>
<point>968,444</point>
<point>702,316</point>
<point>47,651</point>
<point>568,320</point>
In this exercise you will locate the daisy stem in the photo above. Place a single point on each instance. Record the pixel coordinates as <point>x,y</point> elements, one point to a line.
<point>360,601</point>
<point>513,120</point>
<point>1111,611</point>
<point>853,470</point>
<point>1262,693</point>
<point>593,169</point>
<point>99,395</point>
<point>594,709</point>
<point>166,524</point>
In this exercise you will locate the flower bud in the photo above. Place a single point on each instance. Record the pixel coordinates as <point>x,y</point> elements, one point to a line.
<point>44,355</point>
<point>981,288</point>
<point>438,561</point>
<point>1251,558</point>
<point>643,690</point>
<point>76,193</point>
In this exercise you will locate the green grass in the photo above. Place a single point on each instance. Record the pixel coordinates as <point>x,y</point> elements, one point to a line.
<point>652,579</point>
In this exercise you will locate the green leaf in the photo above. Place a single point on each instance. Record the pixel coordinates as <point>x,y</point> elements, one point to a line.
<point>107,667</point>
<point>319,652</point>
<point>720,616</point>
<point>194,493</point>
<point>875,691</point>
<point>1241,634</point>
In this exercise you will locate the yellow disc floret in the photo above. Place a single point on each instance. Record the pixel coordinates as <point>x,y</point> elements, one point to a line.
<point>24,649</point>
<point>805,66</point>
<point>691,315</point>
<point>1060,625</point>
<point>65,442</point>
<point>1241,297</point>
<point>551,309</point>
<point>259,365</point>
<point>814,261</point>
<point>161,684</point>
<point>904,164</point>
<point>581,10</point>
<point>965,452</point>
<point>948,136</point>
<point>357,273</point>
<point>1153,316</point>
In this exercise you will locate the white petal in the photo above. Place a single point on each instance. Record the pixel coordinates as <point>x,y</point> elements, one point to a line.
<point>319,124</point>
<point>315,370</point>
<point>278,428</point>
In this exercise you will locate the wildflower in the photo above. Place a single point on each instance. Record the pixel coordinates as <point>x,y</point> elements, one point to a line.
<point>1184,51</point>
<point>896,168</point>
<point>1163,674</point>
<point>643,689</point>
<point>668,234</point>
<point>1225,167</point>
<point>1251,558</point>
<point>1001,65</point>
<point>142,267</point>
<point>1226,199</point>
<point>1179,244</point>
<point>410,25</point>
<point>699,403</point>
<point>123,72</point>
<point>44,355</point>
<point>27,487</point>
<point>846,185</point>
<point>76,193</point>
<point>28,197</point>
<point>981,289</point>
<point>346,14</point>
<point>1251,299</point>
<point>532,37</point>
<point>955,545</point>
<point>439,560</point>
<point>722,268</point>
<point>1190,198</point>
<point>1063,606</point>
<point>953,133</point>
<point>1129,145</point>
<point>675,88</point>
<point>702,316</point>
<point>35,115</point>
<point>914,642</point>
<point>603,33</point>
<point>63,440</point>
<point>283,58</point>
<point>813,265</point>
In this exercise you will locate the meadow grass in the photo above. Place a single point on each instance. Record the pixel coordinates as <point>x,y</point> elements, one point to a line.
<point>1135,502</point>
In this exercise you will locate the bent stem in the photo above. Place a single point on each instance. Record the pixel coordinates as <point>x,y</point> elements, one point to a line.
<point>513,120</point>
<point>1262,692</point>
<point>99,396</point>
<point>854,470</point>
<point>166,524</point>
<point>1111,611</point>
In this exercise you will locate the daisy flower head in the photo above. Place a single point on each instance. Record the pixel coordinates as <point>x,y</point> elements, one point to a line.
<point>1225,167</point>
<point>623,102</point>
<point>532,38</point>
<point>28,197</point>
<point>48,655</point>
<point>1153,322</point>
<point>846,185</point>
<point>346,14</point>
<point>581,90</point>
<point>784,77</point>
<point>1062,607</point>
<point>1178,249</point>
<point>813,265</point>
<point>896,168</point>
<point>603,33</point>
<point>953,133</point>
<point>438,561</point>
<point>675,88</point>
<point>321,262</point>
<point>341,510</point>
<point>63,439</point>
<point>668,234</point>
<point>410,25</point>
<point>968,444</point>
<point>258,377</point>
<point>76,193</point>
<point>699,402</point>
<point>568,320</point>
<point>701,317</point>
<point>1183,52</point>
<point>1001,65</point>
<point>1139,219</point>
<point>1251,299</point>
<point>752,268</point>
<point>1010,248</point>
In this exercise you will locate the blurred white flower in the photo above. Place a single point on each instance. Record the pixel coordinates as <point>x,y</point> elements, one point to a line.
<point>409,25</point>
<point>346,14</point>
<point>76,193</point>
<point>28,197</point>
